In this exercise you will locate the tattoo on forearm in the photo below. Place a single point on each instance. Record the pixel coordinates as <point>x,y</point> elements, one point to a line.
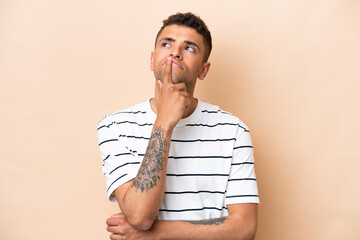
<point>152,163</point>
<point>215,221</point>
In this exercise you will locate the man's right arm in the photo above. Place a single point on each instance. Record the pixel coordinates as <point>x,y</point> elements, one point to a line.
<point>140,199</point>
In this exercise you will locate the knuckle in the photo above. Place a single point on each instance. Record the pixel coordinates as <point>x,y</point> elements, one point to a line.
<point>121,231</point>
<point>182,99</point>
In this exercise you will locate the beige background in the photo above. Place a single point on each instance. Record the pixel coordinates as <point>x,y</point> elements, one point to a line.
<point>289,69</point>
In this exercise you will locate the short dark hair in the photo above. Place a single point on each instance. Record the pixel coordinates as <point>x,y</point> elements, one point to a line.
<point>192,21</point>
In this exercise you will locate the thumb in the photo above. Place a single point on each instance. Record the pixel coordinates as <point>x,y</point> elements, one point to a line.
<point>117,215</point>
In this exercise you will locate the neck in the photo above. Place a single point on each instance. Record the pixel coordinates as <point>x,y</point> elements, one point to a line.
<point>188,111</point>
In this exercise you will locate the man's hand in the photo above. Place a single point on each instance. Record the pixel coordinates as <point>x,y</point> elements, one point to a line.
<point>172,99</point>
<point>240,225</point>
<point>121,229</point>
<point>140,198</point>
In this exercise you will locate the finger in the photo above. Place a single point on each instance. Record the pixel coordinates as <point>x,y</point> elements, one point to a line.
<point>167,71</point>
<point>185,95</point>
<point>115,237</point>
<point>109,222</point>
<point>114,229</point>
<point>118,215</point>
<point>186,100</point>
<point>111,229</point>
<point>114,221</point>
<point>180,86</point>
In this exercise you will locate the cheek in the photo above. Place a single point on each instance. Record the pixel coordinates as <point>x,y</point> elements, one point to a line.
<point>198,68</point>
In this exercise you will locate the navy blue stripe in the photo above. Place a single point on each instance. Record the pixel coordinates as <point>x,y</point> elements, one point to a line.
<point>132,151</point>
<point>116,180</point>
<point>181,140</point>
<point>141,125</point>
<point>110,140</point>
<point>195,174</point>
<point>191,210</point>
<point>207,125</point>
<point>143,112</point>
<point>134,137</point>
<point>242,163</point>
<point>123,165</point>
<point>242,179</point>
<point>242,147</point>
<point>242,196</point>
<point>203,140</point>
<point>207,111</point>
<point>121,154</point>
<point>195,192</point>
<point>179,157</point>
<point>106,158</point>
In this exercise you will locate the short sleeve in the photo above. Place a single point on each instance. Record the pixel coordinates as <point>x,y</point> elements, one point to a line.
<point>242,186</point>
<point>120,164</point>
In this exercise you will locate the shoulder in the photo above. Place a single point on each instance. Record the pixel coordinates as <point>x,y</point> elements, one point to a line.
<point>128,113</point>
<point>214,113</point>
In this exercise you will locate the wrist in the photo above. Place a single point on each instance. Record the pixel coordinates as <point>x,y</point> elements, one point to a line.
<point>165,124</point>
<point>157,231</point>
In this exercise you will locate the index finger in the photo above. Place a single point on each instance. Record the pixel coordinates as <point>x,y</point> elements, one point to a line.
<point>116,220</point>
<point>167,71</point>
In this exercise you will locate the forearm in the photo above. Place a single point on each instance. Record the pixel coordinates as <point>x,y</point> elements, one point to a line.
<point>222,228</point>
<point>141,199</point>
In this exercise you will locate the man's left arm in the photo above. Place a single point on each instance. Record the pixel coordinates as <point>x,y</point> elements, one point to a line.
<point>240,224</point>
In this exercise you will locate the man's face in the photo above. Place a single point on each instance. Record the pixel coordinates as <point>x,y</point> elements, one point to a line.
<point>187,48</point>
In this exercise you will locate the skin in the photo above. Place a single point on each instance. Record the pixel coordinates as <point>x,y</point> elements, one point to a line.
<point>177,63</point>
<point>240,224</point>
<point>186,48</point>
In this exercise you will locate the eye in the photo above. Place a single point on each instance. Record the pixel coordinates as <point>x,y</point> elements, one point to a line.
<point>166,44</point>
<point>189,48</point>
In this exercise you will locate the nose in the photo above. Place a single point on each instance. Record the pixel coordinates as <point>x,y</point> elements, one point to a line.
<point>176,52</point>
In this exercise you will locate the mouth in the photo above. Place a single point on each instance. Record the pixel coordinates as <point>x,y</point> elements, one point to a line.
<point>177,64</point>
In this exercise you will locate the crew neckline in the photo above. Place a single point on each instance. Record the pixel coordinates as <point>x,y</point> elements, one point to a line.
<point>190,119</point>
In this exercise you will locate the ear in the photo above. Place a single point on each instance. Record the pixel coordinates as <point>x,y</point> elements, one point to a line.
<point>204,70</point>
<point>152,61</point>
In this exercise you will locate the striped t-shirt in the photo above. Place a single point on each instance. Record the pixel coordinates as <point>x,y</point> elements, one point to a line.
<point>210,163</point>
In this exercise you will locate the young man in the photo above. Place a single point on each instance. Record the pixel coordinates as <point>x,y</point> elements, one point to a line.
<point>178,167</point>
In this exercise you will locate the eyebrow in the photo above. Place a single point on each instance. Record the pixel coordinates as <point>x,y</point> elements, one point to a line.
<point>191,43</point>
<point>169,39</point>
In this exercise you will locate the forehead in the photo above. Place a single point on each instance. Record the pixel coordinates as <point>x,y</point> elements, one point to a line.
<point>181,33</point>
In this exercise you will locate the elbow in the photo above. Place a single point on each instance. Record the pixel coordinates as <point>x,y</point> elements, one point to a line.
<point>140,222</point>
<point>250,234</point>
<point>246,234</point>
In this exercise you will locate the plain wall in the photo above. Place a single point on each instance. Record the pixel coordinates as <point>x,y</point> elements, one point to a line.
<point>288,69</point>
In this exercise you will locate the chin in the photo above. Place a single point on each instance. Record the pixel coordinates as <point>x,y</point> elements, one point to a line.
<point>176,79</point>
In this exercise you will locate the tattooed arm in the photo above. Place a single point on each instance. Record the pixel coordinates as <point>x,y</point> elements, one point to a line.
<point>240,225</point>
<point>140,199</point>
